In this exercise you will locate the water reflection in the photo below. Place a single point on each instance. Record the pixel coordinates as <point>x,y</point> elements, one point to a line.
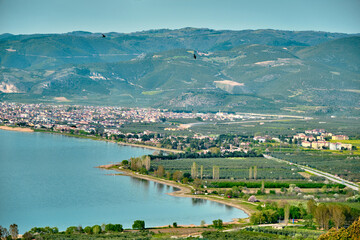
<point>159,187</point>
<point>198,201</point>
<point>143,183</point>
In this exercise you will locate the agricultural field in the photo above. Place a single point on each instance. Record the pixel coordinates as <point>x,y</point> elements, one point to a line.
<point>234,168</point>
<point>345,126</point>
<point>344,165</point>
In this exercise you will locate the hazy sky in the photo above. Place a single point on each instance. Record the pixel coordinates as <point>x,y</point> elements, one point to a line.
<point>59,16</point>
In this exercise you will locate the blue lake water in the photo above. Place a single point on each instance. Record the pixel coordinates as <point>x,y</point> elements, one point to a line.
<point>50,180</point>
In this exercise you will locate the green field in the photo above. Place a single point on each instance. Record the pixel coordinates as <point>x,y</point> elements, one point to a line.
<point>347,126</point>
<point>234,168</point>
<point>345,165</point>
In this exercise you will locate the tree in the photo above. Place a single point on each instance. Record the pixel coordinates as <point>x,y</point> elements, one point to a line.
<point>352,232</point>
<point>113,227</point>
<point>250,173</point>
<point>286,213</point>
<point>201,171</point>
<point>194,170</point>
<point>14,231</point>
<point>71,230</point>
<point>216,172</point>
<point>27,236</point>
<point>262,187</point>
<point>124,162</point>
<point>139,225</point>
<point>311,206</point>
<point>96,229</point>
<point>2,231</point>
<point>146,162</point>
<point>177,175</point>
<point>337,213</point>
<point>88,230</point>
<point>218,223</point>
<point>197,182</point>
<point>214,150</point>
<point>322,216</point>
<point>160,171</point>
<point>255,172</point>
<point>175,224</point>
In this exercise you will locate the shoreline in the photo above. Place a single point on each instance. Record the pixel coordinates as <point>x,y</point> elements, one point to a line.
<point>21,129</point>
<point>111,141</point>
<point>16,129</point>
<point>184,190</point>
<point>149,147</point>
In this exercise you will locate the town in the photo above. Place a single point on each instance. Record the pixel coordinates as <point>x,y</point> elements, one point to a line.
<point>109,122</point>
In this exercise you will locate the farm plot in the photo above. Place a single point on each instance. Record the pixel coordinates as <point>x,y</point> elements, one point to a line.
<point>343,165</point>
<point>234,168</point>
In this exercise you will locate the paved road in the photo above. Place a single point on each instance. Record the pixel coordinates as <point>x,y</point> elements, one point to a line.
<point>329,176</point>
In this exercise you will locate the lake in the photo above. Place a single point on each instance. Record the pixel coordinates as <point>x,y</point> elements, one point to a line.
<point>50,180</point>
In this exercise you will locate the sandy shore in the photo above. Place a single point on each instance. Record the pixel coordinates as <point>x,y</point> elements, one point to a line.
<point>185,191</point>
<point>18,129</point>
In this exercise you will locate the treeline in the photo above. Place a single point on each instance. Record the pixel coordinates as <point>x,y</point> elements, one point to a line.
<point>325,215</point>
<point>289,232</point>
<point>173,156</point>
<point>51,232</point>
<point>352,232</point>
<point>328,215</point>
<point>272,185</point>
<point>272,213</point>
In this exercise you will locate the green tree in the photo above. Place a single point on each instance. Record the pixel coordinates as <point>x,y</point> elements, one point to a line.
<point>352,232</point>
<point>177,175</point>
<point>311,206</point>
<point>96,229</point>
<point>218,223</point>
<point>337,214</point>
<point>113,227</point>
<point>88,230</point>
<point>322,216</point>
<point>197,182</point>
<point>194,170</point>
<point>71,230</point>
<point>286,213</point>
<point>216,172</point>
<point>27,236</point>
<point>139,225</point>
<point>160,171</point>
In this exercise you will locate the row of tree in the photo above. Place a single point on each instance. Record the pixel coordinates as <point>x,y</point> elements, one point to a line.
<point>210,154</point>
<point>12,233</point>
<point>332,214</point>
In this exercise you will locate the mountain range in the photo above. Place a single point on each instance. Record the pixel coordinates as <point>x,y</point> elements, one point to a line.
<point>293,72</point>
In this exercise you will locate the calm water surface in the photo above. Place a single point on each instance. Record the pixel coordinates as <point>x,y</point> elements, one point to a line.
<point>50,180</point>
